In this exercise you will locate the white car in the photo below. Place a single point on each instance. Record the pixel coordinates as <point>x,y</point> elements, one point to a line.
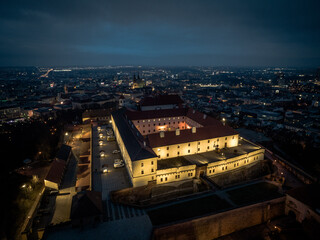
<point>118,164</point>
<point>104,168</point>
<point>115,151</point>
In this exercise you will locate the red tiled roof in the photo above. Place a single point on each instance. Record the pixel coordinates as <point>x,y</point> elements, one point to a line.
<point>202,133</point>
<point>152,114</point>
<point>161,100</point>
<point>56,171</point>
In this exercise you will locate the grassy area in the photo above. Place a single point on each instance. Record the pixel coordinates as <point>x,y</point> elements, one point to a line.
<point>254,193</point>
<point>189,209</point>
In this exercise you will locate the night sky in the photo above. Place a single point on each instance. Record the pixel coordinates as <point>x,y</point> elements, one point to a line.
<point>217,32</point>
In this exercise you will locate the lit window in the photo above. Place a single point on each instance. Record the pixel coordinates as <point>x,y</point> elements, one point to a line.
<point>143,121</point>
<point>149,120</point>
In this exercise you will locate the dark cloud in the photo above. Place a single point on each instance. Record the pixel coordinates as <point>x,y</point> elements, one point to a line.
<point>233,32</point>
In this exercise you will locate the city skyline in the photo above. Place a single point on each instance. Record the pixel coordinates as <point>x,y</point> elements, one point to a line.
<point>162,33</point>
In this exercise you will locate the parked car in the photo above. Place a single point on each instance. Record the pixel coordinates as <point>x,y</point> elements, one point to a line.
<point>104,168</point>
<point>110,138</point>
<point>118,164</point>
<point>115,151</point>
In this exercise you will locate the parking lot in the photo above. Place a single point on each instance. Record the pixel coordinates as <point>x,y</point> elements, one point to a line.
<point>115,178</point>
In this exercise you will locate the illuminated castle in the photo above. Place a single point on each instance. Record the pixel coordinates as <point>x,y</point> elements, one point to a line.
<point>168,145</point>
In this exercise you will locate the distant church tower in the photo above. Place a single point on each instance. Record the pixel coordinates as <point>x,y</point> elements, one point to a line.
<point>138,82</point>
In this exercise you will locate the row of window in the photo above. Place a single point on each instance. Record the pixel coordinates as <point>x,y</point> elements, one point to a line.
<point>161,124</point>
<point>142,171</point>
<point>143,164</point>
<point>154,130</point>
<point>160,119</point>
<point>176,177</point>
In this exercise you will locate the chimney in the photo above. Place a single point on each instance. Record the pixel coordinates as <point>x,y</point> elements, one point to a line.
<point>194,129</point>
<point>177,132</point>
<point>162,134</point>
<point>204,116</point>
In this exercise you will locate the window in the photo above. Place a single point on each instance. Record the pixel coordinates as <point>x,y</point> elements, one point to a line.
<point>148,130</point>
<point>141,164</point>
<point>154,120</point>
<point>208,147</point>
<point>189,145</point>
<point>208,141</point>
<point>182,127</point>
<point>148,125</point>
<point>178,153</point>
<point>198,143</point>
<point>222,168</point>
<point>218,140</point>
<point>234,165</point>
<point>151,162</point>
<point>178,176</point>
<point>143,121</point>
<point>213,170</point>
<point>233,137</point>
<point>152,170</point>
<point>174,122</point>
<point>237,164</point>
<point>167,154</point>
<point>209,171</point>
<point>178,117</point>
<point>167,148</point>
<point>159,119</point>
<point>188,151</point>
<point>154,130</point>
<point>226,138</point>
<point>226,167</point>
<point>144,131</point>
<point>152,178</point>
<point>178,146</point>
<point>169,118</point>
<point>142,125</point>
<point>149,120</point>
<point>169,123</point>
<point>138,121</point>
<point>159,124</point>
<point>154,124</point>
<point>142,172</point>
<point>164,119</point>
<point>198,149</point>
<point>161,179</point>
<point>166,179</point>
<point>178,122</point>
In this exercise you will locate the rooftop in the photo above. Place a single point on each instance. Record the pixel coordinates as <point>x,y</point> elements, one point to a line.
<point>202,133</point>
<point>244,147</point>
<point>161,100</point>
<point>173,163</point>
<point>132,138</point>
